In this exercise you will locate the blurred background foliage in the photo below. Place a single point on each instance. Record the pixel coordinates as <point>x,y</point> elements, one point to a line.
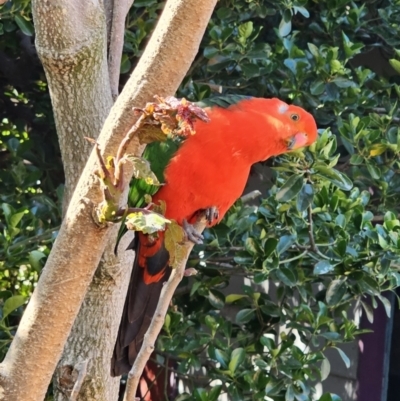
<point>323,238</point>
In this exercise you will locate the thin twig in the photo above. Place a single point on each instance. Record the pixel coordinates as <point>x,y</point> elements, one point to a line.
<point>281,262</point>
<point>313,246</point>
<point>310,230</point>
<point>125,143</point>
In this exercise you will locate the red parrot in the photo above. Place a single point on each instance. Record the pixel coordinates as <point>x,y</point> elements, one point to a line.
<point>207,173</point>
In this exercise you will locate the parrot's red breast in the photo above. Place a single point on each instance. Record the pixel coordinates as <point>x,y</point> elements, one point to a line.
<point>211,170</point>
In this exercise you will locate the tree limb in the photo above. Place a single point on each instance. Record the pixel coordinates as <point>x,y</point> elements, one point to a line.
<point>157,322</point>
<point>120,11</point>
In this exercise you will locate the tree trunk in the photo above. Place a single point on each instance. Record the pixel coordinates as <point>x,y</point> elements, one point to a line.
<point>156,73</point>
<point>92,336</point>
<point>71,40</point>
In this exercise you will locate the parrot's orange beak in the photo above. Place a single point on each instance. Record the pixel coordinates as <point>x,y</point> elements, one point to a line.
<point>297,141</point>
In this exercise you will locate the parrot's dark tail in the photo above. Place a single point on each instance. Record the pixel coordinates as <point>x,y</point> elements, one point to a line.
<point>140,306</point>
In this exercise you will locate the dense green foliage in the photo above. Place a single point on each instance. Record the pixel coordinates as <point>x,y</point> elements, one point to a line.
<point>326,233</point>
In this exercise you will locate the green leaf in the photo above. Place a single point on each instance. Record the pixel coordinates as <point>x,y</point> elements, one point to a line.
<point>215,392</point>
<point>289,395</point>
<point>252,246</point>
<point>325,369</point>
<point>387,305</point>
<point>200,394</point>
<point>274,387</point>
<point>285,242</point>
<point>270,246</point>
<point>16,218</point>
<point>210,52</point>
<point>216,298</point>
<point>237,357</point>
<point>369,312</point>
<point>229,299</point>
<point>11,304</point>
<point>244,316</point>
<point>356,160</point>
<point>285,27</point>
<point>125,65</point>
<point>25,26</point>
<point>336,291</point>
<point>287,276</point>
<point>167,322</point>
<point>374,171</point>
<point>34,259</point>
<point>290,188</point>
<point>223,13</point>
<point>313,50</point>
<point>335,177</point>
<point>8,212</point>
<point>250,70</point>
<point>395,64</point>
<point>317,88</point>
<point>345,358</point>
<point>323,267</point>
<point>305,198</point>
<point>246,29</point>
<point>221,357</point>
<point>331,336</point>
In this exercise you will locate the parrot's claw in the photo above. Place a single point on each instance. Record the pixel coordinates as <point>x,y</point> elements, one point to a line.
<point>191,233</point>
<point>211,214</point>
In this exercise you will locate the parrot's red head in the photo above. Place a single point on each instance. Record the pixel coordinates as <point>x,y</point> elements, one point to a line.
<point>258,128</point>
<point>301,129</point>
<point>295,127</point>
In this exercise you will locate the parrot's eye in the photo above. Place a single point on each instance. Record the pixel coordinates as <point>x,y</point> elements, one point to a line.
<point>295,117</point>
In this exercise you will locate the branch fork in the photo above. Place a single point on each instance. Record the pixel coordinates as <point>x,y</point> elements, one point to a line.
<point>166,117</point>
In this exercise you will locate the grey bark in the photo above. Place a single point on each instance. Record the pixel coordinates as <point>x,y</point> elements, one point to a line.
<point>70,34</point>
<point>73,51</point>
<point>91,338</point>
<point>121,8</point>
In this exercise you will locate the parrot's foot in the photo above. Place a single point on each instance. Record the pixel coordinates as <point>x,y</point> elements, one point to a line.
<point>191,233</point>
<point>211,214</point>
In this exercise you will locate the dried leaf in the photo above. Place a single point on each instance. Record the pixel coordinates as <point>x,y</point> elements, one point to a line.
<point>151,133</point>
<point>174,238</point>
<point>170,116</point>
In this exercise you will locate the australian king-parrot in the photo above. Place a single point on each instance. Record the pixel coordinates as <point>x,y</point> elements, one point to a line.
<point>208,172</point>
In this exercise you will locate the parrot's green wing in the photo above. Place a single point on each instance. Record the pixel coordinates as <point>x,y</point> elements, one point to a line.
<point>158,155</point>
